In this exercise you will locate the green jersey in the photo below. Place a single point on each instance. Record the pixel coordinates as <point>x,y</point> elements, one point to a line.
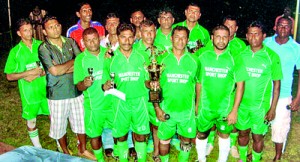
<point>218,76</point>
<point>93,96</point>
<point>197,33</point>
<point>263,67</point>
<point>163,39</point>
<point>20,59</point>
<point>178,81</point>
<point>130,73</point>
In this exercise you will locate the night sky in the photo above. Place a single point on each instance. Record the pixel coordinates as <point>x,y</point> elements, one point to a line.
<point>212,10</point>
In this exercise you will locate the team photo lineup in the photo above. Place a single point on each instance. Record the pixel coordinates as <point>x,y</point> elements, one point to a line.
<point>136,89</point>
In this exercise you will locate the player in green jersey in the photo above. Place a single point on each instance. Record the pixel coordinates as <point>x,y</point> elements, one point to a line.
<point>221,73</point>
<point>89,78</point>
<point>179,75</point>
<point>24,66</point>
<point>261,92</point>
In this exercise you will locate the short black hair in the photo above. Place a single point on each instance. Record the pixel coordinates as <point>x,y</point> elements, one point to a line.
<point>165,10</point>
<point>89,30</point>
<point>147,23</point>
<point>287,19</point>
<point>220,27</point>
<point>79,5</point>
<point>112,15</point>
<point>179,28</point>
<point>124,26</point>
<point>194,4</point>
<point>259,25</point>
<point>232,18</point>
<point>21,22</point>
<point>48,18</point>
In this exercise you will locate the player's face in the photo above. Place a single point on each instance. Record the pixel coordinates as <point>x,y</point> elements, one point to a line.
<point>92,43</point>
<point>52,29</point>
<point>179,39</point>
<point>283,29</point>
<point>126,39</point>
<point>220,39</point>
<point>85,13</point>
<point>192,13</point>
<point>231,24</point>
<point>111,25</point>
<point>25,32</point>
<point>166,20</point>
<point>255,37</point>
<point>136,18</point>
<point>148,34</point>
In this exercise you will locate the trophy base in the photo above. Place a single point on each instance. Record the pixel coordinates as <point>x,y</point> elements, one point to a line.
<point>155,96</point>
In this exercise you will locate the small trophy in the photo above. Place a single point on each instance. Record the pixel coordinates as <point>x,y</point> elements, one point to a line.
<point>38,63</point>
<point>90,71</point>
<point>113,85</point>
<point>288,107</point>
<point>109,50</point>
<point>155,70</point>
<point>198,46</point>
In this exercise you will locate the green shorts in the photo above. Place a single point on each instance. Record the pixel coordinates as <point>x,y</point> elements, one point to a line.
<point>252,119</point>
<point>95,120</point>
<point>183,122</point>
<point>31,111</point>
<point>152,115</point>
<point>207,119</point>
<point>130,114</point>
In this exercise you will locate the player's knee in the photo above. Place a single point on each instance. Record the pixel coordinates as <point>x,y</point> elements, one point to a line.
<point>165,142</point>
<point>244,133</point>
<point>185,146</point>
<point>31,123</point>
<point>140,138</point>
<point>122,139</point>
<point>202,135</point>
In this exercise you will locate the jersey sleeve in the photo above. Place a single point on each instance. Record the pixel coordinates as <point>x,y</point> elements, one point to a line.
<point>11,65</point>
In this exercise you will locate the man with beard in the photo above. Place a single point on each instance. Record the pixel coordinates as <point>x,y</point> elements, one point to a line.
<point>84,12</point>
<point>289,53</point>
<point>220,74</point>
<point>261,92</point>
<point>65,102</point>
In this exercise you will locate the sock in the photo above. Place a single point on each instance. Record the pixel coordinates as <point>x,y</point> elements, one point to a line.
<point>211,137</point>
<point>256,156</point>
<point>224,148</point>
<point>141,150</point>
<point>243,152</point>
<point>34,137</point>
<point>123,151</point>
<point>99,155</point>
<point>183,156</point>
<point>116,150</point>
<point>233,138</point>
<point>164,158</point>
<point>201,149</point>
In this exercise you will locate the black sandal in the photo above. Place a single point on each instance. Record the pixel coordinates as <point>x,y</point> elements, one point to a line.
<point>108,152</point>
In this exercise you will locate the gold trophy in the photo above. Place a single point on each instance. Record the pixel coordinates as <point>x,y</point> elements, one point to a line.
<point>198,46</point>
<point>109,49</point>
<point>38,63</point>
<point>155,70</point>
<point>112,76</point>
<point>90,71</point>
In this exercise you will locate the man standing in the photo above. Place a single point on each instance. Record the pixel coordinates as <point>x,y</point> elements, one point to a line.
<point>289,53</point>
<point>136,18</point>
<point>111,39</point>
<point>84,12</point>
<point>177,77</point>
<point>220,72</point>
<point>197,32</point>
<point>235,45</point>
<point>57,54</point>
<point>24,66</point>
<point>131,111</point>
<point>163,33</point>
<point>89,78</point>
<point>261,92</point>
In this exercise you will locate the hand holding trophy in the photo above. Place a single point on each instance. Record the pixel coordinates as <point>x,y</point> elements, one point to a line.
<point>112,82</point>
<point>155,70</point>
<point>198,46</point>
<point>90,71</point>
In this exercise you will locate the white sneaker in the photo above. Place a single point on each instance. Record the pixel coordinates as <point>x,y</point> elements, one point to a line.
<point>209,148</point>
<point>234,152</point>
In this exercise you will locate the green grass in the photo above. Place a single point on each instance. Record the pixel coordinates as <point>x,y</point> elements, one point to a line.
<point>13,128</point>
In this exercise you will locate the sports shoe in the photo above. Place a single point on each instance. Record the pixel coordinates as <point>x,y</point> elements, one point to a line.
<point>209,148</point>
<point>150,146</point>
<point>234,152</point>
<point>87,155</point>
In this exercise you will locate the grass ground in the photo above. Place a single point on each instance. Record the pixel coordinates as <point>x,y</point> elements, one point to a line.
<point>13,127</point>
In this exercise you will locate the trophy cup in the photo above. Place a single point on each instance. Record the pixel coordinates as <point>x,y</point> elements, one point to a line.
<point>90,71</point>
<point>112,76</point>
<point>198,46</point>
<point>109,50</point>
<point>38,63</point>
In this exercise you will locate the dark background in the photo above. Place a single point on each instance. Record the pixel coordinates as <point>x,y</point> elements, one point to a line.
<point>212,10</point>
